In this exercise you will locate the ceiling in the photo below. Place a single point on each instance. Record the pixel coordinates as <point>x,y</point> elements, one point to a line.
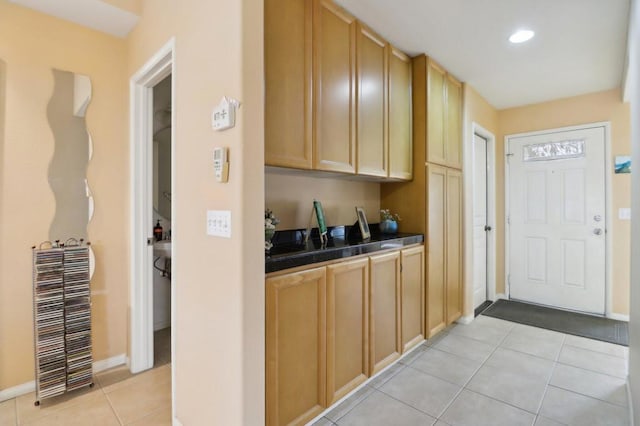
<point>579,46</point>
<point>96,14</point>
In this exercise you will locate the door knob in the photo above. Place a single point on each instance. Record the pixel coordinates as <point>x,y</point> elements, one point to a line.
<point>597,231</point>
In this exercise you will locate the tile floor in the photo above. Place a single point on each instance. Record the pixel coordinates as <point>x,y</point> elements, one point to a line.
<point>117,398</point>
<point>495,372</point>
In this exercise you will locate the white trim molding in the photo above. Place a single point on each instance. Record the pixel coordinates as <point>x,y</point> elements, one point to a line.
<point>467,319</point>
<point>469,151</point>
<point>629,401</point>
<point>141,273</point>
<point>619,317</point>
<point>25,388</point>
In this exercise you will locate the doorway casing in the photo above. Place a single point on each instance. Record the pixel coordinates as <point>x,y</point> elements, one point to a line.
<point>470,186</point>
<point>608,172</point>
<point>161,65</point>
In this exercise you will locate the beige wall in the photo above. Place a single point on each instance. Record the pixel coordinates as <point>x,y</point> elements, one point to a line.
<point>595,107</point>
<point>291,199</point>
<point>476,110</point>
<point>32,44</point>
<point>219,282</point>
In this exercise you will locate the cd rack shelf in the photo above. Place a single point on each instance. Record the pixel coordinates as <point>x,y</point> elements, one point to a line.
<point>62,319</point>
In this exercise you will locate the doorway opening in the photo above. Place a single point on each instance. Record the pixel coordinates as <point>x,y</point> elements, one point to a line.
<point>482,200</point>
<point>152,186</point>
<point>162,178</point>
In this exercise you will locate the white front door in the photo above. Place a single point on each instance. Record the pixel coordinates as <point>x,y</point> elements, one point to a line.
<point>556,218</point>
<point>479,220</point>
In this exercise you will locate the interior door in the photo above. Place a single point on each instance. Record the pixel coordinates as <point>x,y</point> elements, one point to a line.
<point>556,219</point>
<point>479,221</point>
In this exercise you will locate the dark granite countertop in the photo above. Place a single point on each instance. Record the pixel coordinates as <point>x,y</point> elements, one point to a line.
<point>290,250</point>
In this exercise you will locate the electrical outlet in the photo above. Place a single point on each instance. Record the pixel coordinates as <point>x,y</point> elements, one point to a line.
<point>219,223</point>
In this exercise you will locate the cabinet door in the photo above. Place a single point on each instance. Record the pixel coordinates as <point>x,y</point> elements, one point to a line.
<point>347,327</point>
<point>436,77</point>
<point>454,245</point>
<point>412,279</point>
<point>334,32</point>
<point>287,55</point>
<point>454,123</point>
<point>399,113</point>
<point>295,347</point>
<point>384,325</point>
<point>372,103</point>
<point>436,248</point>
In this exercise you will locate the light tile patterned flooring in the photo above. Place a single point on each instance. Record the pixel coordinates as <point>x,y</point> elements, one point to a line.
<point>117,398</point>
<point>490,372</point>
<point>494,372</point>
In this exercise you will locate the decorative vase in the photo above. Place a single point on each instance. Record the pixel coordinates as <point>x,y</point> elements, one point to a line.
<point>389,227</point>
<point>268,235</point>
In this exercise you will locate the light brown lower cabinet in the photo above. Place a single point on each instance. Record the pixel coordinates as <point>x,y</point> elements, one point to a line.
<point>296,347</point>
<point>444,254</point>
<point>330,328</point>
<point>412,296</point>
<point>384,334</point>
<point>347,327</point>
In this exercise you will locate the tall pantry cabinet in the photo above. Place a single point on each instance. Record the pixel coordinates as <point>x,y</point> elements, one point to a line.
<point>436,191</point>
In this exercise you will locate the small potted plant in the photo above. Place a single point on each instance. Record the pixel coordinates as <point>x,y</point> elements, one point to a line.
<point>270,222</point>
<point>389,221</point>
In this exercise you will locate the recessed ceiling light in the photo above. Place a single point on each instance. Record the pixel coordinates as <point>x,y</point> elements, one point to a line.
<point>521,36</point>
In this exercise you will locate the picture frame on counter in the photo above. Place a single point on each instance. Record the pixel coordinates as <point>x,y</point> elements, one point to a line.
<point>362,222</point>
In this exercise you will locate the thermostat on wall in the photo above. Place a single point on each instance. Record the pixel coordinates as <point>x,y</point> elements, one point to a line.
<point>224,115</point>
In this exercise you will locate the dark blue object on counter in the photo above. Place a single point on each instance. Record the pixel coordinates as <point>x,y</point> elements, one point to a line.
<point>290,250</point>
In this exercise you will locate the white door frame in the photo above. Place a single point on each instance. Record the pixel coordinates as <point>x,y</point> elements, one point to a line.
<point>141,86</point>
<point>470,186</point>
<point>608,171</point>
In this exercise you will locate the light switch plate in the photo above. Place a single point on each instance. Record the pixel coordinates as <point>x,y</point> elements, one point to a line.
<point>624,214</point>
<point>219,223</point>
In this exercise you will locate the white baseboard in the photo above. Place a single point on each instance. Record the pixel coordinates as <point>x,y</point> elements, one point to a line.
<point>25,388</point>
<point>176,422</point>
<point>108,363</point>
<point>465,320</point>
<point>500,296</point>
<point>619,317</point>
<point>629,402</point>
<point>16,391</point>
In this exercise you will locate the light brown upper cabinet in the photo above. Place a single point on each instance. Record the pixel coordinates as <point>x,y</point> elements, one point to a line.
<point>288,110</point>
<point>399,116</point>
<point>384,325</point>
<point>347,327</point>
<point>338,96</point>
<point>453,132</point>
<point>334,59</point>
<point>296,347</point>
<point>443,113</point>
<point>372,141</point>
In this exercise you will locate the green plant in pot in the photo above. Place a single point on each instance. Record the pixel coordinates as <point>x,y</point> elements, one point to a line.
<point>270,222</point>
<point>389,221</point>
